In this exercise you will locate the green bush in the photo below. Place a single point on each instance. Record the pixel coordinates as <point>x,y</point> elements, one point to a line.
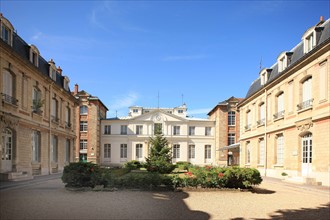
<point>81,174</point>
<point>133,164</point>
<point>143,181</point>
<point>183,165</point>
<point>160,166</point>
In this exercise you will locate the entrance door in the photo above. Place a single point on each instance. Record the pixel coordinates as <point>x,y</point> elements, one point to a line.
<point>7,146</point>
<point>306,168</point>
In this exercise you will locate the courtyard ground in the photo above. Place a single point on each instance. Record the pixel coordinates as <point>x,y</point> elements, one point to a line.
<point>47,198</point>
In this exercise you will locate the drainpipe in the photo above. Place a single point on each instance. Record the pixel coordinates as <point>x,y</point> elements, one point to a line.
<point>50,129</point>
<point>265,133</point>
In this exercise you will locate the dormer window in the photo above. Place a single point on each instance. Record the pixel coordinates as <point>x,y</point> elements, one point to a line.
<point>52,70</point>
<point>66,83</point>
<point>34,55</point>
<point>282,62</point>
<point>135,110</point>
<point>6,31</point>
<point>309,40</point>
<point>263,77</point>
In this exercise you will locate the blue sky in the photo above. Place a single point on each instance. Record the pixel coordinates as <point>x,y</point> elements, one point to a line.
<point>126,52</point>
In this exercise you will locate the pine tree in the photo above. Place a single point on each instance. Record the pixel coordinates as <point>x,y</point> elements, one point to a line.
<point>160,156</point>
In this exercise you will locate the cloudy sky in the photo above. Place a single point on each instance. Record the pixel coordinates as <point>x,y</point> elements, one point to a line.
<point>132,52</point>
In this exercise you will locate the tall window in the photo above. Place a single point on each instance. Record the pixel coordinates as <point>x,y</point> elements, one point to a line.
<point>54,148</point>
<point>231,118</point>
<point>54,112</point>
<point>280,106</point>
<point>83,144</point>
<point>191,151</point>
<point>280,149</point>
<point>309,42</point>
<point>323,79</point>
<point>107,150</point>
<point>176,151</point>
<point>83,126</point>
<point>123,151</point>
<point>7,145</point>
<point>67,150</point>
<point>307,97</point>
<point>68,117</point>
<point>8,87</point>
<point>261,151</point>
<point>6,34</point>
<point>207,152</point>
<point>139,129</point>
<point>83,110</point>
<point>248,120</point>
<point>107,129</point>
<point>207,131</point>
<point>261,120</point>
<point>123,129</point>
<point>231,138</point>
<point>248,152</point>
<point>307,148</point>
<point>36,146</point>
<point>176,130</point>
<point>282,63</point>
<point>191,130</point>
<point>139,151</point>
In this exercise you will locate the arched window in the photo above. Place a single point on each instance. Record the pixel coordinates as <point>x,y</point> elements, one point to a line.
<point>83,110</point>
<point>307,98</point>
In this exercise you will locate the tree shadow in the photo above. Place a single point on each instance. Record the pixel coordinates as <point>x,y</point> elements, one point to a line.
<point>258,190</point>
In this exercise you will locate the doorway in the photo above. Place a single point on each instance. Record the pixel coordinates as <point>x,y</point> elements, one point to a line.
<point>7,150</point>
<point>307,155</point>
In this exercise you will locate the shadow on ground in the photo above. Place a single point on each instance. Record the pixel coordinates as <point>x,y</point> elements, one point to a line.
<point>258,190</point>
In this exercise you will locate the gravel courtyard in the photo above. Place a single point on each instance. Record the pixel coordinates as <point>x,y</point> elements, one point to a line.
<point>271,200</point>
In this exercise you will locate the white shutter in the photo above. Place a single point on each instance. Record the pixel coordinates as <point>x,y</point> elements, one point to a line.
<point>280,103</point>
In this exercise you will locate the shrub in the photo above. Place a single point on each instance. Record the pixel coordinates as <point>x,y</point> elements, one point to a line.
<point>183,165</point>
<point>82,174</point>
<point>143,180</point>
<point>160,166</point>
<point>133,164</point>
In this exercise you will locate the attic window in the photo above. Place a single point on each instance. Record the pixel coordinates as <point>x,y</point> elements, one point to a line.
<point>52,70</point>
<point>66,83</point>
<point>135,110</point>
<point>6,31</point>
<point>309,39</point>
<point>263,77</point>
<point>34,55</point>
<point>282,63</point>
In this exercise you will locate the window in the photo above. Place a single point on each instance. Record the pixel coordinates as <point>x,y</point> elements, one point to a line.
<point>34,55</point>
<point>157,126</point>
<point>139,151</point>
<point>83,110</point>
<point>261,120</point>
<point>282,63</point>
<point>67,150</point>
<point>263,77</point>
<point>6,34</point>
<point>309,42</point>
<point>192,130</point>
<point>323,79</point>
<point>135,110</point>
<point>107,129</point>
<point>261,151</point>
<point>231,139</point>
<point>248,152</point>
<point>207,131</point>
<point>176,130</point>
<point>54,148</point>
<point>139,129</point>
<point>176,151</point>
<point>307,148</point>
<point>7,145</point>
<point>280,106</point>
<point>8,88</point>
<point>123,151</point>
<point>83,126</point>
<point>36,146</point>
<point>107,150</point>
<point>307,98</point>
<point>83,144</point>
<point>248,120</point>
<point>67,117</point>
<point>123,129</point>
<point>180,111</point>
<point>53,74</point>
<point>54,112</point>
<point>37,103</point>
<point>231,118</point>
<point>207,151</point>
<point>191,151</point>
<point>280,149</point>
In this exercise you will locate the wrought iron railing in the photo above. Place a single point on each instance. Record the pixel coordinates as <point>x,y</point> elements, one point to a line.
<point>55,119</point>
<point>261,122</point>
<point>247,127</point>
<point>9,99</point>
<point>279,115</point>
<point>305,104</point>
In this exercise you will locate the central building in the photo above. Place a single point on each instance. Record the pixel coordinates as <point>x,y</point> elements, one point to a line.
<point>127,138</point>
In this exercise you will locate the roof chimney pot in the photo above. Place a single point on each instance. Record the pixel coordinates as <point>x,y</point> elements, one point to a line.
<point>59,70</point>
<point>321,18</point>
<point>76,88</point>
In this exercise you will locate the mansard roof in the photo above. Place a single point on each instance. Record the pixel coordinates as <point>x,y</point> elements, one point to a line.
<point>297,56</point>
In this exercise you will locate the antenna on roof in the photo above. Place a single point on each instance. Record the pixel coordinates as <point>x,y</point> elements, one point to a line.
<point>158,100</point>
<point>261,63</point>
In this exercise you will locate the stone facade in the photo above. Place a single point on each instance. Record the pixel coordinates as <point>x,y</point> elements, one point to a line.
<point>88,121</point>
<point>127,138</point>
<point>227,121</point>
<point>36,110</point>
<point>285,117</point>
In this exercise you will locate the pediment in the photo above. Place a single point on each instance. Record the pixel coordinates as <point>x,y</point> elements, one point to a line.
<point>159,116</point>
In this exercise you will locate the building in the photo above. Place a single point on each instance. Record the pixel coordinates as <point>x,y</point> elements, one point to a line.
<point>285,117</point>
<point>226,117</point>
<point>36,110</point>
<point>89,114</point>
<point>127,138</point>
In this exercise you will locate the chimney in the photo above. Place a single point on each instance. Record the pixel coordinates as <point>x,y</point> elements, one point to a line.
<point>321,19</point>
<point>76,87</point>
<point>59,70</point>
<point>51,61</point>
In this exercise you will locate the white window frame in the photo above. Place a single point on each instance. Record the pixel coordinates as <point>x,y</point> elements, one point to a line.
<point>261,151</point>
<point>231,138</point>
<point>279,149</point>
<point>176,151</point>
<point>176,130</point>
<point>7,32</point>
<point>208,152</point>
<point>208,131</point>
<point>231,118</point>
<point>83,110</point>
<point>123,151</point>
<point>192,130</point>
<point>36,146</point>
<point>123,129</point>
<point>83,126</point>
<point>83,144</point>
<point>248,152</point>
<point>107,129</point>
<point>191,151</point>
<point>139,151</point>
<point>107,151</point>
<point>139,129</point>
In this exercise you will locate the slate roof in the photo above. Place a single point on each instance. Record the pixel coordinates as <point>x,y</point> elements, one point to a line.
<point>23,49</point>
<point>297,56</point>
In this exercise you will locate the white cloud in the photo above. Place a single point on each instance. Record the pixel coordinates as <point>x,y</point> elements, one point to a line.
<point>124,101</point>
<point>199,111</point>
<point>188,57</point>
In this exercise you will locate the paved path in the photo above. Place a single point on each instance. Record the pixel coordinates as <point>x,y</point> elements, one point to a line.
<point>46,198</point>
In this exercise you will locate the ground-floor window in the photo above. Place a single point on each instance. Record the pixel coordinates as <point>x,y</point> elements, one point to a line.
<point>107,150</point>
<point>280,149</point>
<point>36,139</point>
<point>176,151</point>
<point>261,151</point>
<point>207,151</point>
<point>123,151</point>
<point>139,151</point>
<point>191,151</point>
<point>307,148</point>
